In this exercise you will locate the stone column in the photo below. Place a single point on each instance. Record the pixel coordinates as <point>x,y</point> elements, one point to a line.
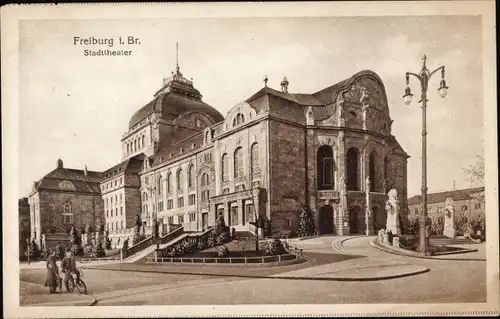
<point>342,225</point>
<point>242,213</point>
<point>368,211</point>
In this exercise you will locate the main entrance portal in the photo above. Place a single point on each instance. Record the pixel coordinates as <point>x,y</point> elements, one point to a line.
<point>356,221</point>
<point>325,220</point>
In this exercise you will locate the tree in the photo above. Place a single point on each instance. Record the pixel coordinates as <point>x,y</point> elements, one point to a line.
<point>476,171</point>
<point>155,228</point>
<point>306,224</point>
<point>137,230</point>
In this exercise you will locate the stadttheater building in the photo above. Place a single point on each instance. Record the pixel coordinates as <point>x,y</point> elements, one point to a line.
<point>272,154</point>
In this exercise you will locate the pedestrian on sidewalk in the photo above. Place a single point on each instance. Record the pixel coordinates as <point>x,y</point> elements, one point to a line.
<point>52,280</point>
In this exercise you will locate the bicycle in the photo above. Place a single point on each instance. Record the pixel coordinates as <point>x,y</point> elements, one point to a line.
<point>76,281</point>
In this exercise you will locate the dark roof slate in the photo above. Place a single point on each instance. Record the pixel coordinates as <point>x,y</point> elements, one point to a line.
<point>462,194</point>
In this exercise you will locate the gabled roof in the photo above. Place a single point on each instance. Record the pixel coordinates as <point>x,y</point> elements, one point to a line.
<point>462,194</point>
<point>83,181</point>
<point>130,165</point>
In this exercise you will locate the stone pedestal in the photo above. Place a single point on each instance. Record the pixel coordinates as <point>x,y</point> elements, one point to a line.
<point>386,239</point>
<point>395,242</point>
<point>449,224</point>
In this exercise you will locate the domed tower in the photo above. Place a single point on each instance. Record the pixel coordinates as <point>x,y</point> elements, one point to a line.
<point>175,113</point>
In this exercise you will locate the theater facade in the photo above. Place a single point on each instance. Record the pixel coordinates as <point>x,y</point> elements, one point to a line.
<point>273,154</point>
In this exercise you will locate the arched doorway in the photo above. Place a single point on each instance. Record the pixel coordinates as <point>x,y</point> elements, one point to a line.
<point>377,220</point>
<point>356,221</point>
<point>325,220</point>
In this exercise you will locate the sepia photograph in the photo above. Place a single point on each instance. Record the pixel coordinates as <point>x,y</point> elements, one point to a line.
<point>192,157</point>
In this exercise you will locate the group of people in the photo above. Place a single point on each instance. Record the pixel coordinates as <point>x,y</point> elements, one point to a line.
<point>68,266</point>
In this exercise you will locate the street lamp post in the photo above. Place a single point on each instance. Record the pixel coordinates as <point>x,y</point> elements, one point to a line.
<point>424,77</point>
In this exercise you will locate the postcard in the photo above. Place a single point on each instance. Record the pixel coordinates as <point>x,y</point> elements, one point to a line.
<point>250,159</point>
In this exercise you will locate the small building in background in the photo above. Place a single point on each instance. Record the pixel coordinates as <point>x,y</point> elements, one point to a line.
<point>469,202</point>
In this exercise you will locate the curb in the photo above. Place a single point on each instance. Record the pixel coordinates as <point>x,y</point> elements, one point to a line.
<point>375,244</point>
<point>67,304</point>
<point>353,278</point>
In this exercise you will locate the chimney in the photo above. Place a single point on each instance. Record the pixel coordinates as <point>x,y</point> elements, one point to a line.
<point>284,85</point>
<point>85,171</point>
<point>60,163</point>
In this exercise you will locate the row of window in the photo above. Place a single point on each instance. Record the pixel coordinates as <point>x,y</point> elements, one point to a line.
<point>180,218</point>
<point>116,183</point>
<point>180,202</point>
<point>238,165</point>
<point>114,212</point>
<point>114,226</point>
<point>110,201</point>
<point>136,144</point>
<point>440,209</point>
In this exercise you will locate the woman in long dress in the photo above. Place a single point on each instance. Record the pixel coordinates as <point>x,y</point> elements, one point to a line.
<point>52,279</point>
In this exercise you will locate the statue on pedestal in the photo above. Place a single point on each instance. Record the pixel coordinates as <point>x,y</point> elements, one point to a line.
<point>392,209</point>
<point>449,224</point>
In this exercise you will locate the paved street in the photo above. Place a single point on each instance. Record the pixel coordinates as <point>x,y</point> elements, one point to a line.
<point>447,281</point>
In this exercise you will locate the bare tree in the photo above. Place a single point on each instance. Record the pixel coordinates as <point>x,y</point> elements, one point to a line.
<point>476,171</point>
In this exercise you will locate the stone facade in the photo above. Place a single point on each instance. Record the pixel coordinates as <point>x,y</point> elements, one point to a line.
<point>271,155</point>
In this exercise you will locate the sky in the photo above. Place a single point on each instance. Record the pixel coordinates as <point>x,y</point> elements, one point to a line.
<point>76,107</point>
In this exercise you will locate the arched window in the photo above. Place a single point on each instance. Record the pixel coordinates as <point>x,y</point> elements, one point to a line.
<point>238,119</point>
<point>254,159</point>
<point>204,179</point>
<point>169,182</point>
<point>207,136</point>
<point>135,145</point>
<point>180,179</point>
<point>225,168</point>
<point>373,160</point>
<point>190,176</point>
<point>128,148</point>
<point>159,186</point>
<point>143,139</point>
<point>325,167</point>
<point>387,174</point>
<point>67,213</point>
<point>238,162</point>
<point>352,169</point>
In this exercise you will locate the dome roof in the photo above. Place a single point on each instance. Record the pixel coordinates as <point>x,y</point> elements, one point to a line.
<point>175,97</point>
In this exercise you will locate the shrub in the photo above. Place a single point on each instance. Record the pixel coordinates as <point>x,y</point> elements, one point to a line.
<point>32,250</point>
<point>223,237</point>
<point>267,227</point>
<point>108,243</point>
<point>413,225</point>
<point>87,251</point>
<point>137,238</point>
<point>460,222</point>
<point>222,252</point>
<point>437,226</point>
<point>202,243</point>
<point>76,250</point>
<point>98,251</point>
<point>211,240</point>
<point>306,224</point>
<point>274,247</point>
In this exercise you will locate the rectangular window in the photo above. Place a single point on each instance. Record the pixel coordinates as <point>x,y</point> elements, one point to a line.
<point>250,213</point>
<point>192,217</point>
<point>327,171</point>
<point>170,204</point>
<point>234,215</point>
<point>68,218</point>
<point>180,219</point>
<point>478,205</point>
<point>107,213</point>
<point>191,199</point>
<point>170,219</point>
<point>205,195</point>
<point>180,202</point>
<point>121,210</point>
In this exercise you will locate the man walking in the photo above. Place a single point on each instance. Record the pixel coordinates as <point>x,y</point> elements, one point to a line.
<point>68,267</point>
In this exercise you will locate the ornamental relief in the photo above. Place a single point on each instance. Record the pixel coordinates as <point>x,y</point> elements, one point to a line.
<point>327,140</point>
<point>366,91</point>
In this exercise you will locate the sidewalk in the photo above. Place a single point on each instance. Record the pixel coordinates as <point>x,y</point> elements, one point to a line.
<point>33,294</point>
